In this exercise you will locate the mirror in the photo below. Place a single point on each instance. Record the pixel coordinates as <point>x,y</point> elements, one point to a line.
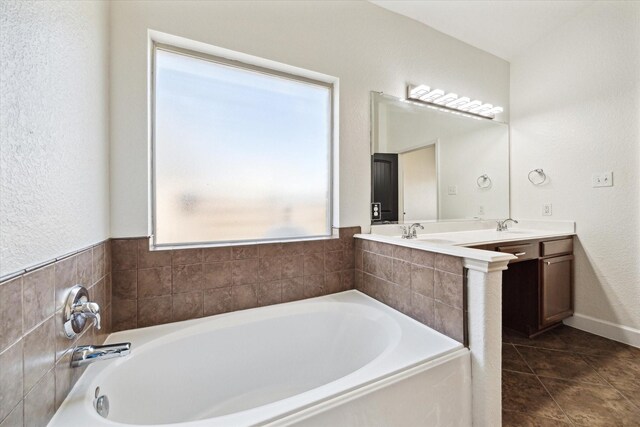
<point>431,164</point>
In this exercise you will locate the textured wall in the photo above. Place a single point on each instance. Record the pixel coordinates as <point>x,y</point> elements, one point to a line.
<point>575,108</point>
<point>54,158</point>
<point>367,47</point>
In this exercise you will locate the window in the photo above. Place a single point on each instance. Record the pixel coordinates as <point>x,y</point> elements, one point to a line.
<point>240,153</point>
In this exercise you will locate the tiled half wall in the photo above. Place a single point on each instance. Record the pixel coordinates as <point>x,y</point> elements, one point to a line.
<point>155,287</point>
<point>35,372</point>
<point>427,286</point>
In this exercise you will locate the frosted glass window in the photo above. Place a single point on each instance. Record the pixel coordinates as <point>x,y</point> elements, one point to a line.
<point>239,153</point>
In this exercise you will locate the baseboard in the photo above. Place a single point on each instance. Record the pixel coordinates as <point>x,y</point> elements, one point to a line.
<point>605,329</point>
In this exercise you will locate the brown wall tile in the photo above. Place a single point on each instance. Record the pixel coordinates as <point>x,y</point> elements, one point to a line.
<point>333,283</point>
<point>401,272</point>
<point>217,275</point>
<point>39,353</point>
<point>331,245</point>
<point>187,278</point>
<point>292,266</point>
<point>15,418</point>
<point>154,311</point>
<point>85,268</point>
<point>39,404</point>
<point>148,258</point>
<point>186,256</point>
<point>31,336</point>
<point>188,305</point>
<point>244,252</point>
<point>124,314</point>
<point>448,289</point>
<point>10,312</point>
<point>154,282</point>
<point>293,248</point>
<point>270,268</point>
<point>38,296</point>
<point>244,272</point>
<point>292,289</point>
<point>313,264</point>
<point>269,293</point>
<point>333,261</point>
<point>449,321</point>
<point>65,277</point>
<point>216,254</point>
<point>124,254</point>
<point>217,301</point>
<point>64,378</point>
<point>313,247</point>
<point>244,297</point>
<point>449,263</point>
<point>98,262</point>
<point>11,378</point>
<point>416,282</point>
<point>422,279</point>
<point>270,250</point>
<point>423,258</point>
<point>313,285</point>
<point>125,284</point>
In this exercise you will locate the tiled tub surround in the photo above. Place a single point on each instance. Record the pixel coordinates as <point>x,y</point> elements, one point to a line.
<point>35,372</point>
<point>427,286</point>
<point>155,287</point>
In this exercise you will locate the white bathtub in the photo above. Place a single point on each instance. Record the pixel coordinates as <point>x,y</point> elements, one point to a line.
<point>343,359</point>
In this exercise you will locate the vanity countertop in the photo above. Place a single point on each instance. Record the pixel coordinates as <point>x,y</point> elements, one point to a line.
<point>457,243</point>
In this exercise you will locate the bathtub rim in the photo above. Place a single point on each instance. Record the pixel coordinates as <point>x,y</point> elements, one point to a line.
<point>143,336</point>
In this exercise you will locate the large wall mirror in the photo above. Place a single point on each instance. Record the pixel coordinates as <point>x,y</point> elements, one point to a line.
<point>430,164</point>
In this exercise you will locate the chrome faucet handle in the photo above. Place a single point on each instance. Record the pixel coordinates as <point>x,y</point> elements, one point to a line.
<point>90,310</point>
<point>405,232</point>
<point>77,310</point>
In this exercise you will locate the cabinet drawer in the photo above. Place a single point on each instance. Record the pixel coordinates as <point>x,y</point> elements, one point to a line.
<point>524,251</point>
<point>557,247</point>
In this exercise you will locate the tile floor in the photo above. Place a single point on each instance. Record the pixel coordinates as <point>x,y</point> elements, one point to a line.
<point>569,377</point>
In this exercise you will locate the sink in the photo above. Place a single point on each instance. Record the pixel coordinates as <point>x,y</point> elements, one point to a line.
<point>438,241</point>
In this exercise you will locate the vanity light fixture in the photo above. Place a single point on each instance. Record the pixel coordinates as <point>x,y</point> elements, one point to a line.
<point>450,102</point>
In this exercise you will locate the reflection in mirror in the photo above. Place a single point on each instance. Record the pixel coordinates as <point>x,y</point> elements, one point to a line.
<point>429,164</point>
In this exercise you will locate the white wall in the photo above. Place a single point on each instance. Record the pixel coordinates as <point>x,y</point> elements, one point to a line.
<point>54,155</point>
<point>575,108</point>
<point>367,47</point>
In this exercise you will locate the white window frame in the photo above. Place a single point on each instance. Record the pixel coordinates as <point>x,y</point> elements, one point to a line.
<point>158,40</point>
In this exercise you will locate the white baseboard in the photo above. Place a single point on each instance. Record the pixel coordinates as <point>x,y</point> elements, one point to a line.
<point>605,329</point>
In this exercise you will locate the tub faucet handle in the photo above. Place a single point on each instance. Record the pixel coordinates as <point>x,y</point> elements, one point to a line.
<point>77,310</point>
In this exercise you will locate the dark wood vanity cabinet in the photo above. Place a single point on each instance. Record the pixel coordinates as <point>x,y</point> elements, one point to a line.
<point>537,288</point>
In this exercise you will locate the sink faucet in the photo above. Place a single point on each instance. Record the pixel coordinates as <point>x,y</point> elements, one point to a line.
<point>503,225</point>
<point>86,354</point>
<point>410,231</point>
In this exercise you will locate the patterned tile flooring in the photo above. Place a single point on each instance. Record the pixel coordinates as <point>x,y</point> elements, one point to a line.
<point>568,377</point>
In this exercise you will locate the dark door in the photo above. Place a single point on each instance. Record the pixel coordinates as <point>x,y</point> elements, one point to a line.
<point>385,184</point>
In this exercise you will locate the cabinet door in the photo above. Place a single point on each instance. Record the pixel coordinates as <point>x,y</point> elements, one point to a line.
<point>556,302</point>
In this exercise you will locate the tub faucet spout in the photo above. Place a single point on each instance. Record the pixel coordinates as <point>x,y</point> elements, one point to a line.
<point>86,354</point>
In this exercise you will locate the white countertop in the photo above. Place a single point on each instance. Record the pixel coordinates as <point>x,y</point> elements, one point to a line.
<point>456,243</point>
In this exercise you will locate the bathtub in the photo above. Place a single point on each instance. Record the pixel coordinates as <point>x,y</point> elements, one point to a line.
<point>342,359</point>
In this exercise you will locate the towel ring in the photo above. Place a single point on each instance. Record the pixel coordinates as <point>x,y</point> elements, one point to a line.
<point>484,181</point>
<point>542,177</point>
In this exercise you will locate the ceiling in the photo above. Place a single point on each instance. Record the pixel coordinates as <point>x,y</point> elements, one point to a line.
<point>503,28</point>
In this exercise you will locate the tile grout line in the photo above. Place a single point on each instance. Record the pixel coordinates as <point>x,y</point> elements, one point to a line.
<point>609,384</point>
<point>545,388</point>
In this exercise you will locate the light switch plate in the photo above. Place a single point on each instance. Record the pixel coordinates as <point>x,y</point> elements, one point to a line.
<point>452,190</point>
<point>604,179</point>
<point>547,209</point>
